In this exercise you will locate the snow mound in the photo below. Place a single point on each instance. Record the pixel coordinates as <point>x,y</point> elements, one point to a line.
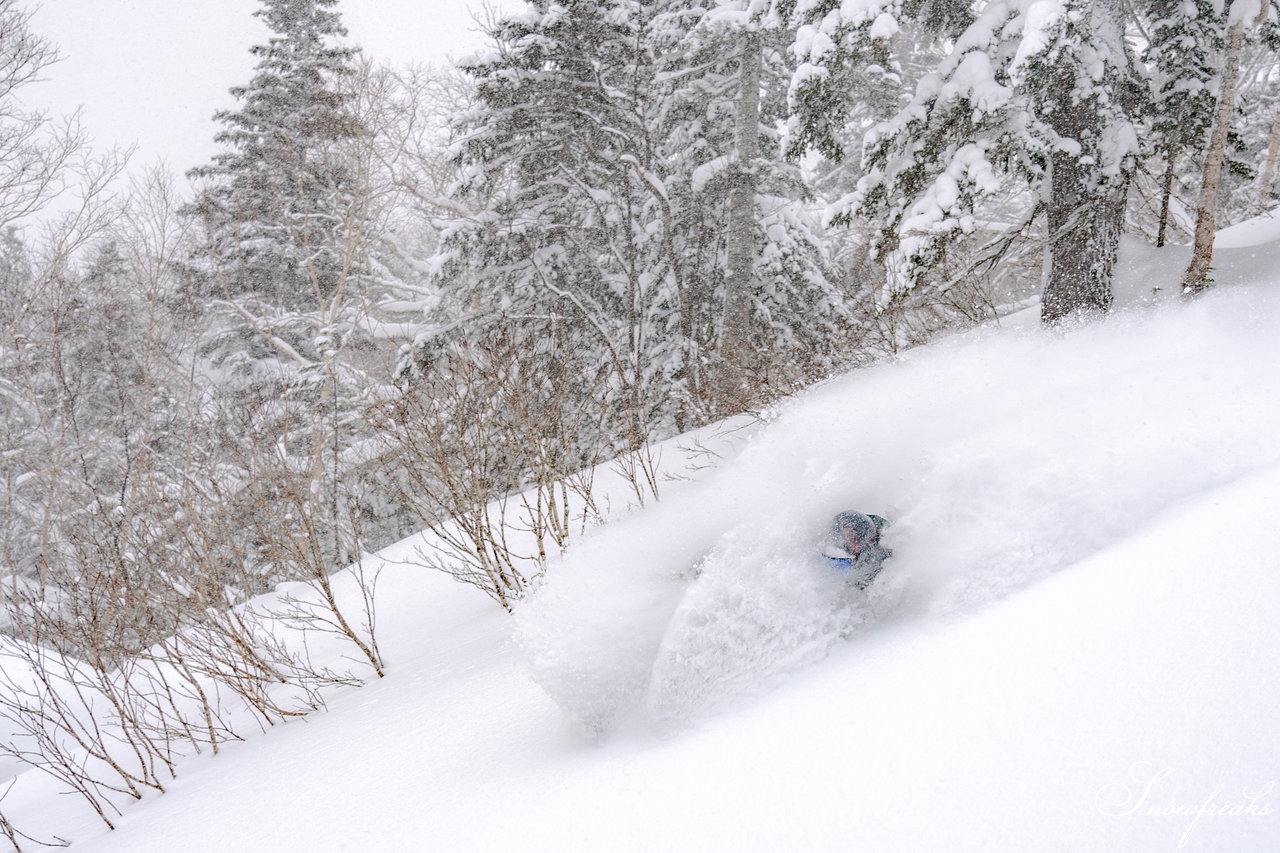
<point>1257,231</point>
<point>1000,457</point>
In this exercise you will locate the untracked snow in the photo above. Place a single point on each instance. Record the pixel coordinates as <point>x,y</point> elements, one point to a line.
<point>1074,646</point>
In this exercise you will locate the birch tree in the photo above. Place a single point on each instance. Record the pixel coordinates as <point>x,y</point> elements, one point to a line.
<point>1244,16</point>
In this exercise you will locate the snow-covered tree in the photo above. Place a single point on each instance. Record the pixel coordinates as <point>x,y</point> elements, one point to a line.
<point>776,298</point>
<point>1186,36</point>
<point>855,70</point>
<point>1262,129</point>
<point>617,176</point>
<point>88,401</point>
<point>1037,92</point>
<point>68,355</point>
<point>278,204</point>
<point>292,211</point>
<point>1245,18</point>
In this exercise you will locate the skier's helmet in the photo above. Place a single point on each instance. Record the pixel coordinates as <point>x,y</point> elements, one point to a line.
<point>863,526</point>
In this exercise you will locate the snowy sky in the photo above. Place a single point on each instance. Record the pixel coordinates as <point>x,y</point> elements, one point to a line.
<point>152,72</point>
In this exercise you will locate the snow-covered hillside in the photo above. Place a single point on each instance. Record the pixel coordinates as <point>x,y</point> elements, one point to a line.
<point>1073,648</point>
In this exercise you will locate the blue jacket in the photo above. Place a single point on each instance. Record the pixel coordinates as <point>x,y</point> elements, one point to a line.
<point>861,570</point>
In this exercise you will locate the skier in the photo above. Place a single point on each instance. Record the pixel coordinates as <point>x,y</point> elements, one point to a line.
<point>854,548</point>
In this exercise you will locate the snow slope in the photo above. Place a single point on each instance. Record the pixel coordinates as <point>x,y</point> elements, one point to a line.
<point>1073,648</point>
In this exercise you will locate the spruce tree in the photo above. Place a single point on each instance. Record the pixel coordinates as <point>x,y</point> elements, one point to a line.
<point>1186,35</point>
<point>1028,92</point>
<point>278,203</point>
<point>286,278</point>
<point>621,193</point>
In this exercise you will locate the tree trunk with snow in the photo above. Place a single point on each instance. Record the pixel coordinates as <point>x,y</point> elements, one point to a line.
<point>735,345</point>
<point>1086,216</point>
<point>1088,188</point>
<point>1197,279</point>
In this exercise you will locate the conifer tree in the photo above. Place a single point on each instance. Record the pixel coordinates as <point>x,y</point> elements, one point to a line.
<point>1186,36</point>
<point>285,271</point>
<point>607,146</point>
<point>279,205</point>
<point>1035,92</point>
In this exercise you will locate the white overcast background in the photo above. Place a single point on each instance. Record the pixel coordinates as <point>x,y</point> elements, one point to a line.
<point>151,73</point>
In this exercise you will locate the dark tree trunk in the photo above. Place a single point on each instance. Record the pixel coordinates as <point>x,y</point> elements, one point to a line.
<point>1086,205</point>
<point>1166,193</point>
<point>1086,216</point>
<point>1085,221</point>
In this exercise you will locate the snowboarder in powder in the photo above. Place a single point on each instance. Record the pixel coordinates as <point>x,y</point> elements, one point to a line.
<point>854,548</point>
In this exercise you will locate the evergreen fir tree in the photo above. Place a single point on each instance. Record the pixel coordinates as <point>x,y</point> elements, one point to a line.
<point>279,206</point>
<point>286,274</point>
<point>1186,36</point>
<point>605,143</point>
<point>1026,91</point>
